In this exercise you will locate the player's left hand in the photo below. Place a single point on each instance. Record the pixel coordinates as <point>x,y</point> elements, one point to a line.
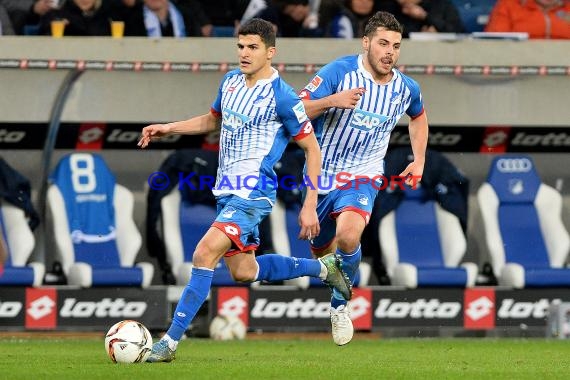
<point>347,99</point>
<point>309,222</point>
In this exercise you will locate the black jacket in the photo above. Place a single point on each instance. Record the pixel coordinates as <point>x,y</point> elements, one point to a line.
<point>441,14</point>
<point>15,189</point>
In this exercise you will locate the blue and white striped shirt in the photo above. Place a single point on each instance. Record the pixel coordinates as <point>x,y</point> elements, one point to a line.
<point>355,141</point>
<point>257,124</point>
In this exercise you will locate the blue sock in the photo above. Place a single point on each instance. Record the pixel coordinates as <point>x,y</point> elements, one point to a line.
<point>275,267</point>
<point>350,264</point>
<point>193,296</point>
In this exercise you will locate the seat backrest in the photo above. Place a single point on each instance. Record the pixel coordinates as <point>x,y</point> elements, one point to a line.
<point>92,215</point>
<point>474,13</point>
<point>184,223</point>
<point>521,215</point>
<point>17,235</point>
<point>421,233</point>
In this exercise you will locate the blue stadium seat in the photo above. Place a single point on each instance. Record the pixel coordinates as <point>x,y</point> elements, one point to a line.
<point>285,230</point>
<point>423,245</point>
<point>183,225</point>
<point>223,31</point>
<point>474,13</point>
<point>524,233</point>
<point>20,242</point>
<point>31,30</point>
<point>96,239</point>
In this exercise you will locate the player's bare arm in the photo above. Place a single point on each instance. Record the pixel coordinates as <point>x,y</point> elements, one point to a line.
<point>308,219</point>
<point>194,126</point>
<point>346,99</point>
<point>418,128</point>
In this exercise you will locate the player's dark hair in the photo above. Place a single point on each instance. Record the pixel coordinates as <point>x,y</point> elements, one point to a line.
<point>264,29</point>
<point>382,20</point>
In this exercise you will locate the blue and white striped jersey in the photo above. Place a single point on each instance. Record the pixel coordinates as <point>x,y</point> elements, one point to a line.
<point>354,141</point>
<point>257,124</point>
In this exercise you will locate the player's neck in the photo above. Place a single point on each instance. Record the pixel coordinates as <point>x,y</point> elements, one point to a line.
<point>265,72</point>
<point>383,78</point>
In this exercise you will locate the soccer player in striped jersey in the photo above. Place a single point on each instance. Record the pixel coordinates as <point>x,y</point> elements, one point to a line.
<point>355,103</point>
<point>258,113</point>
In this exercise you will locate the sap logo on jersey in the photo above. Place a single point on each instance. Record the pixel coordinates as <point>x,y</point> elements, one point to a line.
<point>366,121</point>
<point>232,120</point>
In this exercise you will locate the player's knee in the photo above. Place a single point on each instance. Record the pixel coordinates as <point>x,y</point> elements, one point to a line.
<point>204,257</point>
<point>348,241</point>
<point>244,275</point>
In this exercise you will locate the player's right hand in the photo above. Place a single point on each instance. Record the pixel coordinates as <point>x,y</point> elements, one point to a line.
<point>152,132</point>
<point>348,98</point>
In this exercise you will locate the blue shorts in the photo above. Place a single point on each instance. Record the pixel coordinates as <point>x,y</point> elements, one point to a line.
<point>239,220</point>
<point>329,207</point>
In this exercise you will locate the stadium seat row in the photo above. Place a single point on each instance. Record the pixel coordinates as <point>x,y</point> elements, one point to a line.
<point>420,232</point>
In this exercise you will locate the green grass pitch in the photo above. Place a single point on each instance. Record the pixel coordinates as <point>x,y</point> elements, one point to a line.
<point>535,359</point>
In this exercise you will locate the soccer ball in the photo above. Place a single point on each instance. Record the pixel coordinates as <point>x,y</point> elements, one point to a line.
<point>128,342</point>
<point>227,327</point>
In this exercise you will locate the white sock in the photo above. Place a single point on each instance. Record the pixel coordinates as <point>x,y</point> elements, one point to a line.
<point>172,344</point>
<point>324,271</point>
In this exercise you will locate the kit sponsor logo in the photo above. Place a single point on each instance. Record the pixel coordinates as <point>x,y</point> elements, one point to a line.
<point>10,309</point>
<point>106,308</point>
<point>421,308</point>
<point>11,137</point>
<point>550,139</point>
<point>511,309</point>
<point>297,308</point>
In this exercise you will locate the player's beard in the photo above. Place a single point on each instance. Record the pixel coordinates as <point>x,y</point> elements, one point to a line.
<point>382,66</point>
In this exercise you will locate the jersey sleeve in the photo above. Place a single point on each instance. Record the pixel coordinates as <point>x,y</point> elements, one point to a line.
<point>323,84</point>
<point>416,107</point>
<point>216,107</point>
<point>291,111</point>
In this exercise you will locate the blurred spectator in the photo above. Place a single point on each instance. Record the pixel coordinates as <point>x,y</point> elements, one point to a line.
<point>252,9</point>
<point>83,17</point>
<point>292,18</point>
<point>350,19</point>
<point>26,12</point>
<point>162,18</point>
<point>546,19</point>
<point>424,15</point>
<point>6,28</point>
<point>224,13</point>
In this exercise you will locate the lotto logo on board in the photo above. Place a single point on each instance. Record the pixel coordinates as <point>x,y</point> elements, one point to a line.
<point>90,136</point>
<point>234,302</point>
<point>41,308</point>
<point>361,309</point>
<point>479,309</point>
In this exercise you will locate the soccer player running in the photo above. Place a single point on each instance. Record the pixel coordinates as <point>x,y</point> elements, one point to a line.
<point>258,113</point>
<point>355,103</point>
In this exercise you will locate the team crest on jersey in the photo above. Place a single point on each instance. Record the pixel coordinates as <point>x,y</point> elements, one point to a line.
<point>228,212</point>
<point>232,120</point>
<point>395,98</point>
<point>366,121</point>
<point>315,83</point>
<point>261,101</point>
<point>299,110</point>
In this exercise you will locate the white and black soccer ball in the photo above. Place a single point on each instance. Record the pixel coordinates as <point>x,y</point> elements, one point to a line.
<point>227,327</point>
<point>128,342</point>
